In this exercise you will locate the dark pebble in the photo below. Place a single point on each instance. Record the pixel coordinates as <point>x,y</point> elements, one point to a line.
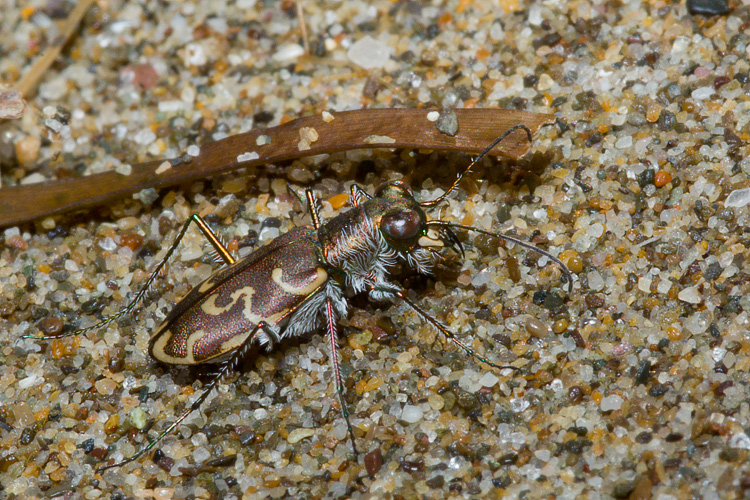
<point>578,339</point>
<point>558,101</point>
<point>87,446</point>
<point>504,340</point>
<point>50,326</point>
<point>576,446</point>
<point>247,438</point>
<point>713,271</point>
<point>666,121</point>
<point>508,459</point>
<point>594,301</point>
<point>502,481</point>
<point>271,222</point>
<point>387,325</point>
<point>165,463</point>
<point>729,454</point>
<point>503,213</point>
<point>28,435</point>
<point>436,482</point>
<point>673,437</point>
<point>575,394</point>
<point>708,7</point>
<point>721,388</point>
<point>552,301</point>
<point>643,373</point>
<point>412,466</point>
<point>374,461</point>
<point>226,461</point>
<point>657,390</point>
<point>644,437</point>
<point>539,297</point>
<point>623,489</point>
<point>91,306</point>
<point>487,244</point>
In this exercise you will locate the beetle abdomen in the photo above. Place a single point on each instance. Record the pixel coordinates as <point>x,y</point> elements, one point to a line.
<point>216,317</point>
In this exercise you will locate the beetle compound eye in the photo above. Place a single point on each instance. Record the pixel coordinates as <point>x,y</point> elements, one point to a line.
<point>401,225</point>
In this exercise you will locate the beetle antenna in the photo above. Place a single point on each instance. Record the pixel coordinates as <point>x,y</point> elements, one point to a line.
<point>220,253</point>
<point>484,153</point>
<point>443,225</point>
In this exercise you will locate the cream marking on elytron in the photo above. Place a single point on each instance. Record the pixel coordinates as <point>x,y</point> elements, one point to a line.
<point>278,278</point>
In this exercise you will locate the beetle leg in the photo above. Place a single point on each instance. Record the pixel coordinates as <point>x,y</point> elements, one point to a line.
<point>358,195</point>
<point>219,250</point>
<point>332,339</point>
<point>227,367</point>
<point>394,291</point>
<point>312,204</point>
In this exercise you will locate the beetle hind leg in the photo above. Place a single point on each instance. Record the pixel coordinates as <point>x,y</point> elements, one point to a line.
<point>226,367</point>
<point>219,253</point>
<point>338,380</point>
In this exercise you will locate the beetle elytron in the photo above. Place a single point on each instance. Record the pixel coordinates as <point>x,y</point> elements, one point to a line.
<point>295,284</point>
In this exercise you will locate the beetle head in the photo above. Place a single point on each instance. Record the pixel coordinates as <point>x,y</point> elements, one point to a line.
<point>403,224</point>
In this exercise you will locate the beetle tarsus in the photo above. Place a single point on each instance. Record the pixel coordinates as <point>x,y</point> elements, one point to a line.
<point>228,366</point>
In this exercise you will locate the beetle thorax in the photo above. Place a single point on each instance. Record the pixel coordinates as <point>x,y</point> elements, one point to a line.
<point>353,244</point>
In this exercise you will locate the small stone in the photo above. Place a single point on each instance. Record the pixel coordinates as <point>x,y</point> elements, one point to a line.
<point>163,493</point>
<point>611,402</point>
<point>411,414</point>
<point>536,328</point>
<point>140,75</point>
<point>50,326</point>
<point>299,434</point>
<point>624,142</point>
<point>447,123</point>
<point>307,135</point>
<point>488,380</point>
<point>369,53</point>
<point>247,156</point>
<point>690,295</point>
<point>702,93</point>
<point>105,386</point>
<point>138,418</point>
<point>27,149</point>
<point>327,117</point>
<point>436,401</point>
<point>12,105</point>
<point>163,167</point>
<point>374,461</point>
<point>433,116</point>
<point>193,150</point>
<point>708,7</point>
<point>738,198</point>
<point>289,52</point>
<point>112,423</point>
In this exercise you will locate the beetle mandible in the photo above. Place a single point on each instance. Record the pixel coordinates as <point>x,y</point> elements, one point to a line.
<point>295,284</point>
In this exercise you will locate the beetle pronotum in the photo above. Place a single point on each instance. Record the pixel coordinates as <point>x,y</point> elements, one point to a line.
<point>295,284</point>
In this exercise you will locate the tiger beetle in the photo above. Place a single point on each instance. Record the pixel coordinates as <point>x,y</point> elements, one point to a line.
<point>295,284</point>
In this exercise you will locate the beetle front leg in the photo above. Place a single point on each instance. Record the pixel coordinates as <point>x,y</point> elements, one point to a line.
<point>338,380</point>
<point>220,253</point>
<point>389,290</point>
